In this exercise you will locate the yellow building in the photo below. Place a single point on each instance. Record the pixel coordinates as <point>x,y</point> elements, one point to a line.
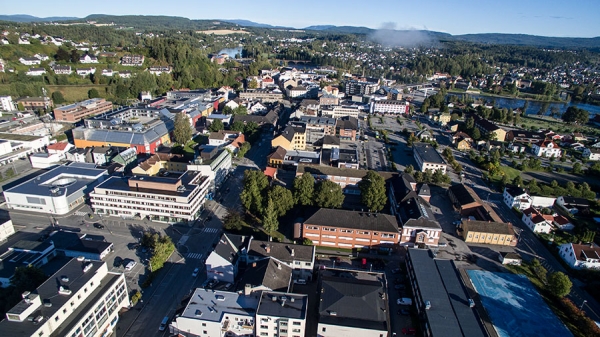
<point>275,159</point>
<point>161,162</point>
<point>443,118</point>
<point>491,233</point>
<point>463,145</point>
<point>291,138</point>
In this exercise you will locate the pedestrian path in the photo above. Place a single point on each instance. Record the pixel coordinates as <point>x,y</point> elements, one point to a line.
<point>80,213</point>
<point>196,256</point>
<point>209,230</point>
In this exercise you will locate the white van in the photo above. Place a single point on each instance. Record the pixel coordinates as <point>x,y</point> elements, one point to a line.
<point>130,265</point>
<point>163,324</point>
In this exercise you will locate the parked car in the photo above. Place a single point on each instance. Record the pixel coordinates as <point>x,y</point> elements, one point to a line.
<point>212,283</point>
<point>409,331</point>
<point>195,272</point>
<point>130,265</point>
<point>404,301</point>
<point>99,226</point>
<point>300,281</point>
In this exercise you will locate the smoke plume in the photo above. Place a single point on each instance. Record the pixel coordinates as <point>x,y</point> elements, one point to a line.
<point>388,36</point>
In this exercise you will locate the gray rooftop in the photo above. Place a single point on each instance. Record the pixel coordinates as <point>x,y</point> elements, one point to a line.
<point>187,180</point>
<point>281,251</point>
<point>229,246</point>
<point>62,180</point>
<point>269,273</point>
<point>353,219</point>
<point>276,304</point>
<point>353,302</point>
<point>428,154</point>
<point>212,305</point>
<point>439,283</point>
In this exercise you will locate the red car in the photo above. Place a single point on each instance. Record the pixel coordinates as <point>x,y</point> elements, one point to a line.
<point>409,331</point>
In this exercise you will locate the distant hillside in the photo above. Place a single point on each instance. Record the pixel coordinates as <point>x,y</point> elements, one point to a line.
<point>531,40</point>
<point>248,23</point>
<point>30,18</point>
<point>343,29</point>
<point>321,27</point>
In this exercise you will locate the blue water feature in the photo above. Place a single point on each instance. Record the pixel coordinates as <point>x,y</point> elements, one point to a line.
<point>534,106</point>
<point>231,51</point>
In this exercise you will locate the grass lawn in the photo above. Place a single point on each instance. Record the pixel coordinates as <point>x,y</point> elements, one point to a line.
<point>508,171</point>
<point>76,93</point>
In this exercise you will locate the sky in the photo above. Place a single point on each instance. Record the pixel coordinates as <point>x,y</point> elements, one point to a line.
<point>580,18</point>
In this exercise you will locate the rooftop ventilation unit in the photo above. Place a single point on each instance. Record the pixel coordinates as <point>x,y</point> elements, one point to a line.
<point>63,291</point>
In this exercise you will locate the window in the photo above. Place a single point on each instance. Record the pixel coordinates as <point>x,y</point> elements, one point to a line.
<point>64,311</point>
<point>205,332</point>
<point>203,324</point>
<point>307,263</point>
<point>324,329</point>
<point>296,323</point>
<point>56,318</point>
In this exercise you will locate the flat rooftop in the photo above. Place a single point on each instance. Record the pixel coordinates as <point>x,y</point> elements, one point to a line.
<point>514,305</point>
<point>188,179</point>
<point>439,283</point>
<point>428,154</point>
<point>279,304</point>
<point>18,138</point>
<point>62,180</point>
<point>212,305</point>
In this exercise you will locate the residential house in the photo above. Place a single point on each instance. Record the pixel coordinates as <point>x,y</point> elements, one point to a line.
<point>350,229</point>
<point>85,71</point>
<point>591,153</point>
<point>489,129</point>
<point>300,258</point>
<point>518,197</point>
<point>485,232</point>
<point>353,305</point>
<point>109,72</point>
<point>125,74</point>
<point>30,61</point>
<point>580,256</point>
<point>160,70</point>
<point>291,138</point>
<point>546,148</point>
<point>328,99</point>
<point>60,148</point>
<point>275,158</point>
<point>41,57</point>
<point>443,118</point>
<point>524,136</point>
<point>425,135</point>
<point>257,108</point>
<point>6,103</point>
<point>453,126</point>
<point>132,60</point>
<point>61,70</point>
<point>36,72</point>
<point>347,128</point>
<point>510,258</point>
<point>268,274</point>
<point>222,263</point>
<point>536,221</point>
<point>160,163</point>
<point>87,58</point>
<point>574,205</point>
<point>428,158</point>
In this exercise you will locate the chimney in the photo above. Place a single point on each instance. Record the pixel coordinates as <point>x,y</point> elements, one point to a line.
<point>292,251</point>
<point>247,289</point>
<point>279,266</point>
<point>268,249</point>
<point>254,265</point>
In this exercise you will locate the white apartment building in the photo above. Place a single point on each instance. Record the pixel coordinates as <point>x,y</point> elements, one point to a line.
<point>390,106</point>
<point>217,313</point>
<point>36,72</point>
<point>30,61</point>
<point>281,314</point>
<point>164,199</point>
<point>341,111</point>
<point>580,256</point>
<point>428,158</point>
<point>6,103</point>
<point>216,168</point>
<point>82,299</point>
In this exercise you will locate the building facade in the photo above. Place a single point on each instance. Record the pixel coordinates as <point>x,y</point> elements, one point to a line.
<point>75,112</point>
<point>492,233</point>
<point>580,256</point>
<point>281,314</point>
<point>517,197</point>
<point>428,158</point>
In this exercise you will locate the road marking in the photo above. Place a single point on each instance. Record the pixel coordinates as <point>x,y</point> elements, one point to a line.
<point>209,230</point>
<point>80,213</point>
<point>196,256</point>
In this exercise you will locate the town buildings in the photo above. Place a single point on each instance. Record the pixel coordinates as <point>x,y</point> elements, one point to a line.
<point>489,129</point>
<point>222,263</point>
<point>390,107</point>
<point>300,258</point>
<point>546,148</point>
<point>281,314</point>
<point>82,298</point>
<point>428,158</point>
<point>35,102</point>
<point>580,256</point>
<point>486,232</point>
<point>517,197</point>
<point>166,199</point>
<point>6,103</point>
<point>75,112</point>
<point>351,229</point>
<point>291,138</point>
<point>57,191</point>
<point>362,86</point>
<point>264,95</point>
<point>132,60</point>
<point>347,128</point>
<point>591,153</point>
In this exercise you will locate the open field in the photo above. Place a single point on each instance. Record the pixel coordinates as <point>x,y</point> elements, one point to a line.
<point>76,93</point>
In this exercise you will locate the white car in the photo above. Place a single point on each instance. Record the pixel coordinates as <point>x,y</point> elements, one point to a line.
<point>195,273</point>
<point>404,301</point>
<point>130,265</point>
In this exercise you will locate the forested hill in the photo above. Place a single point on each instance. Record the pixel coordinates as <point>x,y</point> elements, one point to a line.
<point>531,40</point>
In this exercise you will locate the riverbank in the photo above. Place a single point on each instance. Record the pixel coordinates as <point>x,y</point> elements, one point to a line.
<point>487,94</point>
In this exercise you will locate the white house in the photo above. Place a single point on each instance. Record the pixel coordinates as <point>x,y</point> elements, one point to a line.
<point>536,221</point>
<point>36,72</point>
<point>87,58</point>
<point>222,263</point>
<point>281,314</point>
<point>6,229</point>
<point>30,61</point>
<point>60,148</point>
<point>585,256</point>
<point>232,104</point>
<point>591,153</point>
<point>41,57</point>
<point>518,197</point>
<point>257,108</point>
<point>109,72</point>
<point>546,148</point>
<point>86,71</point>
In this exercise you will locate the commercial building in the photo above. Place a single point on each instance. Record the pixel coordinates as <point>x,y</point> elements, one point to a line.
<point>440,297</point>
<point>14,146</point>
<point>351,229</point>
<point>222,263</point>
<point>318,127</point>
<point>281,314</point>
<point>491,233</point>
<point>347,178</point>
<point>264,95</point>
<point>291,138</point>
<point>341,111</point>
<point>6,103</point>
<point>347,128</point>
<point>354,305</point>
<point>390,107</point>
<point>165,199</point>
<point>216,166</point>
<point>82,299</point>
<point>24,253</point>
<point>428,158</point>
<point>300,258</point>
<point>75,112</point>
<point>35,102</point>
<point>57,191</point>
<point>161,163</point>
<point>362,86</point>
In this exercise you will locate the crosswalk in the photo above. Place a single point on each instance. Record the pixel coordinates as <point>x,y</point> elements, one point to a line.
<point>80,213</point>
<point>209,230</point>
<point>196,256</point>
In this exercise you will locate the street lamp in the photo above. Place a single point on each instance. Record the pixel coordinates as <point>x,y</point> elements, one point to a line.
<point>582,304</point>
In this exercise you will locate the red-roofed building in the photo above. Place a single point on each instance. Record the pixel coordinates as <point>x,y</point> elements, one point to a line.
<point>585,256</point>
<point>60,148</point>
<point>271,172</point>
<point>536,221</point>
<point>546,148</point>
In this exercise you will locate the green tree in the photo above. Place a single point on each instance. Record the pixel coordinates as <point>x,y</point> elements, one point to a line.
<point>539,270</point>
<point>227,110</point>
<point>328,194</point>
<point>269,220</point>
<point>470,123</point>
<point>93,93</point>
<point>255,186</point>
<point>409,169</point>
<point>577,168</point>
<point>183,130</point>
<point>244,148</point>
<point>307,242</point>
<point>9,173</point>
<point>216,126</point>
<point>476,134</point>
<point>250,128</point>
<point>559,284</point>
<point>58,98</point>
<point>233,220</point>
<point>253,84</point>
<point>240,110</point>
<point>575,115</point>
<point>237,126</point>
<point>284,198</point>
<point>20,107</point>
<point>304,188</point>
<point>62,55</point>
<point>372,191</point>
<point>27,278</point>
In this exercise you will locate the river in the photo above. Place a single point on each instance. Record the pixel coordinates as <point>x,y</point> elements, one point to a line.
<point>534,106</point>
<point>232,51</point>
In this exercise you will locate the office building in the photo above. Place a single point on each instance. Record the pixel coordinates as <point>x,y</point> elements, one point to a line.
<point>281,314</point>
<point>73,113</point>
<point>428,158</point>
